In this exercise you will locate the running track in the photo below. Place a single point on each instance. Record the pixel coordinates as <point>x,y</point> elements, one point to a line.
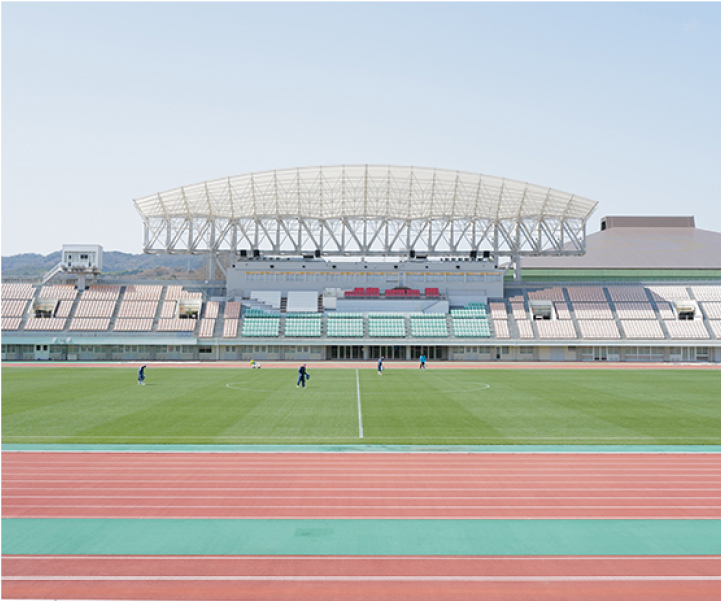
<point>361,486</point>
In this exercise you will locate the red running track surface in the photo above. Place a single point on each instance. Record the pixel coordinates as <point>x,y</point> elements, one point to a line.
<point>263,578</point>
<point>357,486</point>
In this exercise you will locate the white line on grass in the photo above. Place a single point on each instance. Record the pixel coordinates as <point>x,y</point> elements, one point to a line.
<point>360,413</point>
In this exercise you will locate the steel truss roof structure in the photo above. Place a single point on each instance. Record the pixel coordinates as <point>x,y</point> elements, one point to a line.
<point>365,210</point>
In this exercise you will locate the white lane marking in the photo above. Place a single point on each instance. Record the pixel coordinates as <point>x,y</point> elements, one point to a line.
<point>371,578</point>
<point>360,413</point>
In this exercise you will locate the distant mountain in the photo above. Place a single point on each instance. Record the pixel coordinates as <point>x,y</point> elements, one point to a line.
<point>116,264</point>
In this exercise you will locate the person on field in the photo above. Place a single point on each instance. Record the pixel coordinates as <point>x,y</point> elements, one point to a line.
<point>423,363</point>
<point>141,375</point>
<point>380,366</point>
<point>302,376</point>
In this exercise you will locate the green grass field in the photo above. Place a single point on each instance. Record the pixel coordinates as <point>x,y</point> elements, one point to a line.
<point>444,406</point>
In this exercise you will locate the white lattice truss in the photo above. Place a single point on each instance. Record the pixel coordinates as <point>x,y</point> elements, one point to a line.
<point>365,210</point>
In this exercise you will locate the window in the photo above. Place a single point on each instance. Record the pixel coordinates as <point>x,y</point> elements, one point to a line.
<point>475,278</point>
<point>435,278</point>
<point>493,277</point>
<point>205,350</point>
<point>526,351</point>
<point>454,278</point>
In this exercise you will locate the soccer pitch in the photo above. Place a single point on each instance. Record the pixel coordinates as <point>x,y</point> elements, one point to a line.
<point>347,406</point>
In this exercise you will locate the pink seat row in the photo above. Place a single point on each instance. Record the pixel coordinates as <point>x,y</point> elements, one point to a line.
<point>125,324</point>
<point>97,324</point>
<point>17,291</point>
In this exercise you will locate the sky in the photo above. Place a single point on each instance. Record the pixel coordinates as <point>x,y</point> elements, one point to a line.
<point>106,102</point>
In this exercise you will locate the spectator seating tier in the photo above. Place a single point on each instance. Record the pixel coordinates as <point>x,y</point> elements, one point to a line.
<point>96,324</point>
<point>345,325</point>
<point>62,292</point>
<point>695,330</point>
<point>668,293</point>
<point>598,329</point>
<point>555,329</point>
<point>261,327</point>
<point>498,311</point>
<point>95,308</point>
<point>142,293</point>
<point>14,308</point>
<point>168,309</point>
<point>211,309</point>
<point>635,310</point>
<point>45,323</point>
<point>551,294</point>
<point>173,293</point>
<point>711,310</point>
<point>432,292</point>
<point>138,309</point>
<point>501,329</point>
<point>592,310</point>
<point>17,291</point>
<point>666,311</point>
<point>230,328</point>
<point>586,294</point>
<point>627,294</point>
<point>642,330</point>
<point>525,329</point>
<point>707,293</point>
<point>519,311</point>
<point>232,310</point>
<point>470,328</point>
<point>99,292</point>
<point>714,325</point>
<point>385,325</point>
<point>176,325</point>
<point>562,311</point>
<point>432,325</point>
<point>305,325</point>
<point>11,323</point>
<point>207,327</point>
<point>127,324</point>
<point>64,308</point>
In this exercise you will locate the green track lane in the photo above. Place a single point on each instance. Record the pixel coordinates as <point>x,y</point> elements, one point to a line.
<point>359,537</point>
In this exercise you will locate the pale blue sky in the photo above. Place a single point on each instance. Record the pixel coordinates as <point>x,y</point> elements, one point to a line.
<point>103,103</point>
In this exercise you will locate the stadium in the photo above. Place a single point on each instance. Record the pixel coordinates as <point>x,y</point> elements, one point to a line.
<point>356,262</point>
<point>562,444</point>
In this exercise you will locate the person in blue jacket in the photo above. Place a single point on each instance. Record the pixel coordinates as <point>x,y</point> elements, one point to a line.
<point>141,375</point>
<point>423,363</point>
<point>380,366</point>
<point>302,376</point>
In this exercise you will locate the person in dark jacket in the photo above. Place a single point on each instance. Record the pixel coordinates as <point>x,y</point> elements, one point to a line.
<point>302,376</point>
<point>141,375</point>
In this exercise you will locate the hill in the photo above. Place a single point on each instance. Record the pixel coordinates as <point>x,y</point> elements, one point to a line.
<point>117,264</point>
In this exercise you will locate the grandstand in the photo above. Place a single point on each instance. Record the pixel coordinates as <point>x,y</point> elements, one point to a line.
<point>395,261</point>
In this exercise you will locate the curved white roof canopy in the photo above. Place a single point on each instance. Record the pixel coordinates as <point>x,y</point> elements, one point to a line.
<point>364,209</point>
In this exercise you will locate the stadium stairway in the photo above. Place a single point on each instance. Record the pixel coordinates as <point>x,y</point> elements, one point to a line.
<point>513,331</point>
<point>706,323</point>
<point>572,311</point>
<point>652,300</point>
<point>611,304</point>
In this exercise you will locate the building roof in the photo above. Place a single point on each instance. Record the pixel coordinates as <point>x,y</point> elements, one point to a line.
<point>642,243</point>
<point>368,191</point>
